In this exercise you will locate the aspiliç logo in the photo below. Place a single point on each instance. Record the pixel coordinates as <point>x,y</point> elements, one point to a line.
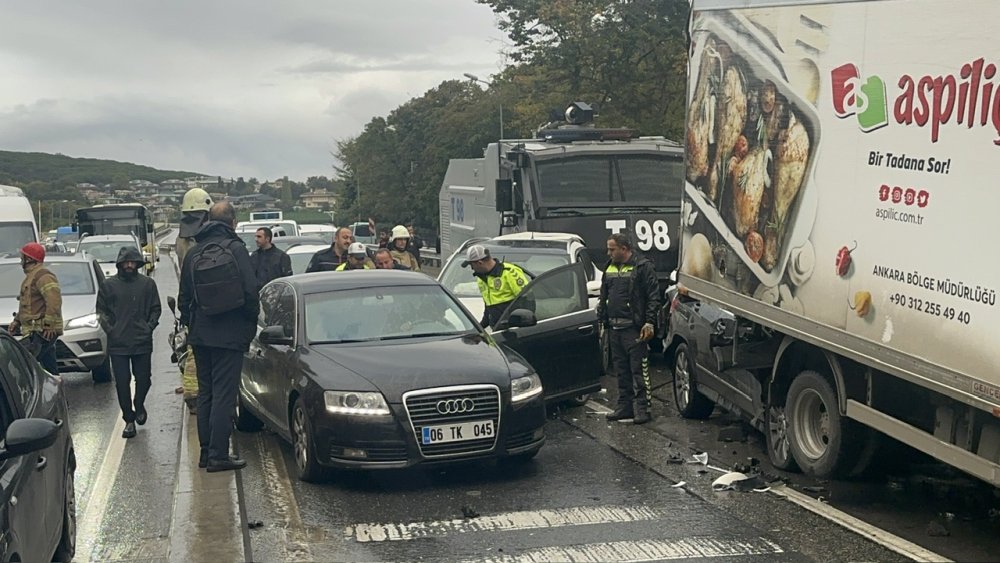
<point>970,98</point>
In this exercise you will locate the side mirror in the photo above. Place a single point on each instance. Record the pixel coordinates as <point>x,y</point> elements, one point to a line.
<point>26,435</point>
<point>172,304</point>
<point>521,318</point>
<point>274,335</point>
<point>722,332</point>
<point>594,288</point>
<point>508,219</point>
<point>505,195</point>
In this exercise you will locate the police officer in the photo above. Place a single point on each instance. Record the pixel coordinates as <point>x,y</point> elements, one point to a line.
<point>330,259</point>
<point>194,208</point>
<point>499,282</point>
<point>627,308</point>
<point>39,312</point>
<point>357,258</point>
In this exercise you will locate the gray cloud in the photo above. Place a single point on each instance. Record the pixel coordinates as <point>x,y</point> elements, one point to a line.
<point>228,87</point>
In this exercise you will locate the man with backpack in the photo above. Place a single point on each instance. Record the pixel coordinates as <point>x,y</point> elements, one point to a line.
<point>219,303</point>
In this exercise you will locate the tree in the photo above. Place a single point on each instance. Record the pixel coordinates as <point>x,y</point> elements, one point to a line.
<point>240,188</point>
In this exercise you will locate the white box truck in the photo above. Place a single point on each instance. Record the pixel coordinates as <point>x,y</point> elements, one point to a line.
<point>17,221</point>
<point>840,208</point>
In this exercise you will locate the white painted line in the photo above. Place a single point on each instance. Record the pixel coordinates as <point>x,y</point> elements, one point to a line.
<point>645,550</point>
<point>523,520</point>
<point>599,408</point>
<point>89,524</point>
<point>860,527</point>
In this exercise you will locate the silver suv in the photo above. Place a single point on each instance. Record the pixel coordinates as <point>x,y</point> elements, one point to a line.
<point>83,345</point>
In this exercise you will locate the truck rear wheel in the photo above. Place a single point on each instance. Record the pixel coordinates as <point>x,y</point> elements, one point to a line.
<point>822,441</point>
<point>690,403</point>
<point>779,450</point>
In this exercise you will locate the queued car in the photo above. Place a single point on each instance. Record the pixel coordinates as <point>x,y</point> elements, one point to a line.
<point>535,252</point>
<point>301,254</point>
<point>83,344</point>
<point>322,231</point>
<point>286,243</point>
<point>105,248</point>
<point>348,368</point>
<point>37,461</point>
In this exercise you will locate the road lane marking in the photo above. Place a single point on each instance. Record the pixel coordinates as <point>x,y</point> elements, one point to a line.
<point>598,408</point>
<point>294,535</point>
<point>644,550</point>
<point>89,526</point>
<point>508,521</point>
<point>860,527</point>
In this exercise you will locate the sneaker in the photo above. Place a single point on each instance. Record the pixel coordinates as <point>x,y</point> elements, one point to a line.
<point>621,413</point>
<point>129,431</point>
<point>227,464</point>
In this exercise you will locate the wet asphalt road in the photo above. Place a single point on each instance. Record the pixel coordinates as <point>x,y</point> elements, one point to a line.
<point>596,492</point>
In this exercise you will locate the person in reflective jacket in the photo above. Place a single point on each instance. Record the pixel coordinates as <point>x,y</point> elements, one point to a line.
<point>628,307</point>
<point>499,282</point>
<point>357,258</point>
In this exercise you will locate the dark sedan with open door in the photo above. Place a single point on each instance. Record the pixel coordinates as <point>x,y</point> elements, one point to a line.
<point>386,369</point>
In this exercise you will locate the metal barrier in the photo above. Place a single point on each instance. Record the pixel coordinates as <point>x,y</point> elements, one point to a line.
<point>430,258</point>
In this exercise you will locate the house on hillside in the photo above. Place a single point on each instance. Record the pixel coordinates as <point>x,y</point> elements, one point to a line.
<point>318,199</point>
<point>252,201</point>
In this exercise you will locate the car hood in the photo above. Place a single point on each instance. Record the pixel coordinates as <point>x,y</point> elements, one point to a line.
<point>396,366</point>
<point>73,306</point>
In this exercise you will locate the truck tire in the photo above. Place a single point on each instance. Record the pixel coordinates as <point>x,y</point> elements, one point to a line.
<point>779,450</point>
<point>690,402</point>
<point>823,443</point>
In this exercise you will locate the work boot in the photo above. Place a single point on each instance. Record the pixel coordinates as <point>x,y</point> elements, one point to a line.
<point>642,415</point>
<point>621,413</point>
<point>129,431</point>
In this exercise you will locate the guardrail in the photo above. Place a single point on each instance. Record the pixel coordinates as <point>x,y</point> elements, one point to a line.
<point>430,258</point>
<point>162,228</point>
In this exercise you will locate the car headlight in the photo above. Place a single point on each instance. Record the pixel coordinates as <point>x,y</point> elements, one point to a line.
<point>363,403</point>
<point>525,388</point>
<point>89,321</point>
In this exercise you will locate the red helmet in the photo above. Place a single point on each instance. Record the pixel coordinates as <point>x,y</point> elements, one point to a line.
<point>34,251</point>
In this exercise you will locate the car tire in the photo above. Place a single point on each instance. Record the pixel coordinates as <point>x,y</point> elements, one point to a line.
<point>246,421</point>
<point>690,402</point>
<point>303,445</point>
<point>67,540</point>
<point>779,450</point>
<point>823,443</point>
<point>102,373</point>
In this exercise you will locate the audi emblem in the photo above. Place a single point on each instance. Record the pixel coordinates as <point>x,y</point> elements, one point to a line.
<point>455,406</point>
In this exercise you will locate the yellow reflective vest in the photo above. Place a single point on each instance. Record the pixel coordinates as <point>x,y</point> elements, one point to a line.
<point>499,287</point>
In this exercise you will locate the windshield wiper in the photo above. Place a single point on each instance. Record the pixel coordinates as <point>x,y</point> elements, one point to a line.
<point>426,334</point>
<point>346,340</point>
<point>574,212</point>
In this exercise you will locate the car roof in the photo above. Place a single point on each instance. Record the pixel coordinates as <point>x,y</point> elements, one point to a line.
<point>320,282</point>
<point>15,257</point>
<point>302,239</point>
<point>307,248</point>
<point>109,237</point>
<point>540,236</point>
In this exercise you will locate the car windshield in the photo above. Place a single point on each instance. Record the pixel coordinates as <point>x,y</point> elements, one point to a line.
<point>641,179</point>
<point>383,313</point>
<point>104,250</point>
<point>300,261</point>
<point>460,281</point>
<point>15,235</point>
<point>75,278</point>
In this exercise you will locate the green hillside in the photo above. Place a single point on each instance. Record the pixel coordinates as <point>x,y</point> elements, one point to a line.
<point>22,168</point>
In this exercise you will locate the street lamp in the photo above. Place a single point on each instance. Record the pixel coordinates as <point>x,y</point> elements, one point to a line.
<point>475,78</point>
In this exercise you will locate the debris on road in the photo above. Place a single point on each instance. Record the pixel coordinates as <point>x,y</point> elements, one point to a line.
<point>678,485</point>
<point>468,512</point>
<point>937,529</point>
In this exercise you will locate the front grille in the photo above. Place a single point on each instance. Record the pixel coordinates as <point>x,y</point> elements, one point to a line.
<point>421,407</point>
<point>375,453</point>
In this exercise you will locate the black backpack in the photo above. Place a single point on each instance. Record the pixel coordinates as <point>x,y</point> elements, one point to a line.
<point>218,284</point>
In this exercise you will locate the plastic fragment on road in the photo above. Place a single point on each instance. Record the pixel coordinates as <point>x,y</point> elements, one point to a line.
<point>702,459</point>
<point>678,485</point>
<point>736,481</point>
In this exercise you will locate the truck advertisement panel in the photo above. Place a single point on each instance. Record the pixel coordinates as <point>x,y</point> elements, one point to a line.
<point>841,164</point>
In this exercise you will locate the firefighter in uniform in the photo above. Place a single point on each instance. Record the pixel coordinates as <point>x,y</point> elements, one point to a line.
<point>194,207</point>
<point>499,282</point>
<point>628,307</point>
<point>39,312</point>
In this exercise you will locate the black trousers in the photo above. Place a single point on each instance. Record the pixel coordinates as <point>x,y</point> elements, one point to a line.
<point>218,381</point>
<point>124,367</point>
<point>630,359</point>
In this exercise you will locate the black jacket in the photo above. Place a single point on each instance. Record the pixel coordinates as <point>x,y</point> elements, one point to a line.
<point>643,291</point>
<point>270,264</point>
<point>128,307</point>
<point>234,329</point>
<point>414,246</point>
<point>325,261</point>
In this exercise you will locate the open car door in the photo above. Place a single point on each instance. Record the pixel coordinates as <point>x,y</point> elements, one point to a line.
<point>562,345</point>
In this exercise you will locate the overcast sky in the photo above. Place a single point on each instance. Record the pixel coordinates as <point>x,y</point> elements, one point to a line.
<point>232,88</point>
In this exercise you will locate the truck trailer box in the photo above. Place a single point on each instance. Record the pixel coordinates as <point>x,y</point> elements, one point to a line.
<point>840,187</point>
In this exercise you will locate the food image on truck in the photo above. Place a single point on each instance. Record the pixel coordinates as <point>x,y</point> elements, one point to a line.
<point>841,167</point>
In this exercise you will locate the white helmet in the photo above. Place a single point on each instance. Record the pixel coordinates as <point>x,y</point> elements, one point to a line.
<point>399,231</point>
<point>196,199</point>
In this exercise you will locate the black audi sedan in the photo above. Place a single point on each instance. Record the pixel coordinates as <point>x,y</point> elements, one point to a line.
<point>386,369</point>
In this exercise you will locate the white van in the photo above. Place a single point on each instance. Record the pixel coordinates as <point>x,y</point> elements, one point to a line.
<point>325,232</point>
<point>17,220</point>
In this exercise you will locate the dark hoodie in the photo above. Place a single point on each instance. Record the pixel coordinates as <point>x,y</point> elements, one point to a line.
<point>234,329</point>
<point>128,306</point>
